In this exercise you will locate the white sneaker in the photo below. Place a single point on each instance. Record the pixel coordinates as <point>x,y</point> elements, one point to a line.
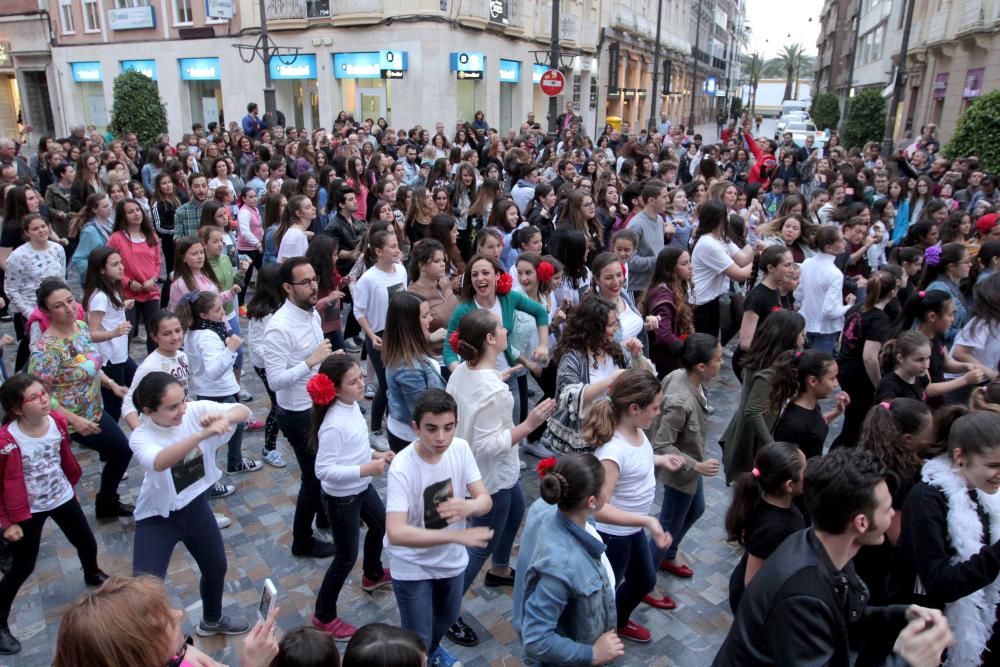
<point>222,521</point>
<point>369,391</point>
<point>379,441</point>
<point>274,458</point>
<point>536,449</point>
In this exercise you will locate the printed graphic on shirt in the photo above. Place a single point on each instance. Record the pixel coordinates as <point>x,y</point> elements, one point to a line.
<point>188,471</point>
<point>434,495</point>
<point>392,289</point>
<point>43,476</point>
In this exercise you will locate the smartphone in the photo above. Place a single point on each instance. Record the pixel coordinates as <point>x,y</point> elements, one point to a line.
<point>268,596</point>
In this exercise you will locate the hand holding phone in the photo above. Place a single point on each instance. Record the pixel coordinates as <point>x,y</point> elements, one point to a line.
<point>268,597</point>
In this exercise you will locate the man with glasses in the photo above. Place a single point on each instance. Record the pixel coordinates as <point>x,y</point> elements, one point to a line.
<point>294,347</point>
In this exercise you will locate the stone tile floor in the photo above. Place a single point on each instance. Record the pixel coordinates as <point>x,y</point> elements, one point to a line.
<point>258,546</point>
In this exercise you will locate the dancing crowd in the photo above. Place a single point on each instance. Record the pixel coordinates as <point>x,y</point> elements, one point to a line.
<point>454,309</point>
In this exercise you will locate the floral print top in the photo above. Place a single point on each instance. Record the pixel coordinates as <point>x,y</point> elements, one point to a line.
<point>26,267</point>
<point>70,369</point>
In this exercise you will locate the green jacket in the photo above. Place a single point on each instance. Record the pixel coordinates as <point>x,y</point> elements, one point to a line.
<point>508,304</point>
<point>751,426</point>
<point>226,275</point>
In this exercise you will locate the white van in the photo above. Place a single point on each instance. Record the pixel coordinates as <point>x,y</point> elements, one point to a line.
<point>794,105</point>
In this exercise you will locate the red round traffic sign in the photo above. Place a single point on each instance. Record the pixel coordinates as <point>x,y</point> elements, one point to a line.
<point>552,82</point>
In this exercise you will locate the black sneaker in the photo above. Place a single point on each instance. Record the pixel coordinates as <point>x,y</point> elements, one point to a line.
<point>95,578</point>
<point>224,626</point>
<point>494,580</point>
<point>246,465</point>
<point>462,634</point>
<point>318,549</point>
<point>112,508</point>
<point>220,490</point>
<point>8,643</point>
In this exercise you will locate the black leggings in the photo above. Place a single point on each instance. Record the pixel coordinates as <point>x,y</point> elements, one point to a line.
<point>271,423</point>
<point>144,310</point>
<point>380,402</point>
<point>71,521</point>
<point>707,318</point>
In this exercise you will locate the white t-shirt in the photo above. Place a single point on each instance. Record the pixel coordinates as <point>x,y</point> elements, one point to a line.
<point>293,244</point>
<point>165,491</point>
<point>636,486</point>
<point>983,339</point>
<point>176,365</point>
<point>629,322</point>
<point>599,372</point>
<point>565,290</point>
<point>114,351</point>
<point>416,487</point>
<point>343,448</point>
<point>608,570</point>
<point>502,363</point>
<point>373,291</point>
<point>44,479</point>
<point>708,261</point>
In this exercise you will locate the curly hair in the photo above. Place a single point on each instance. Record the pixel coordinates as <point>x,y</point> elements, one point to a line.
<point>883,431</point>
<point>584,331</point>
<point>791,371</point>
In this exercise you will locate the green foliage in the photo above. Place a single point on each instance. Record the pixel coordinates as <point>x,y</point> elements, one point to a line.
<point>977,131</point>
<point>865,119</point>
<point>825,111</point>
<point>735,107</point>
<point>137,108</point>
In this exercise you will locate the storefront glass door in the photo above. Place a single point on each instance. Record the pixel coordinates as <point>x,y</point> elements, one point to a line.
<point>370,103</point>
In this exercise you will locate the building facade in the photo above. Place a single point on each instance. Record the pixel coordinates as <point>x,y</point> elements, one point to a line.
<point>880,32</point>
<point>836,46</point>
<point>27,74</point>
<point>953,58</point>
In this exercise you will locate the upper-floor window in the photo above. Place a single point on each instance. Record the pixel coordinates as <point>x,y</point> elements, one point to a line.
<point>128,4</point>
<point>182,12</point>
<point>317,8</point>
<point>91,16</point>
<point>66,16</point>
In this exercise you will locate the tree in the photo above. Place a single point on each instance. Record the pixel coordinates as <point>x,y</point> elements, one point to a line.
<point>137,108</point>
<point>789,58</point>
<point>976,133</point>
<point>753,69</point>
<point>865,118</point>
<point>825,111</point>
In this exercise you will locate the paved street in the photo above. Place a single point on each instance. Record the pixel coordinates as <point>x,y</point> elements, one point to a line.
<point>258,546</point>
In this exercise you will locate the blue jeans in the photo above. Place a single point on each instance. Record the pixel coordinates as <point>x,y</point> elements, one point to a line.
<point>632,561</point>
<point>822,342</point>
<point>504,519</point>
<point>194,525</point>
<point>344,513</point>
<point>234,454</point>
<point>679,512</point>
<point>112,446</point>
<point>428,607</point>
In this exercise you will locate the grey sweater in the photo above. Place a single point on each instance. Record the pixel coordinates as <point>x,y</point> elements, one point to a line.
<point>640,267</point>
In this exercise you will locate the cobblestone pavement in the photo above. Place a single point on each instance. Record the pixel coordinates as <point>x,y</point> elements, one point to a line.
<point>258,546</point>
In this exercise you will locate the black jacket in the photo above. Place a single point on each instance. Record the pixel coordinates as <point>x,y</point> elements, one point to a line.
<point>799,610</point>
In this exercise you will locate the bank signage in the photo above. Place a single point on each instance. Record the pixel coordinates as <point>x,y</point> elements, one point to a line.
<point>131,18</point>
<point>86,72</point>
<point>303,67</point>
<point>200,69</point>
<point>147,67</point>
<point>370,65</point>
<point>468,65</point>
<point>510,71</point>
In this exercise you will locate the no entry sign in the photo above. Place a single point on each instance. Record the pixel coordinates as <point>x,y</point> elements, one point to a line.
<point>552,82</point>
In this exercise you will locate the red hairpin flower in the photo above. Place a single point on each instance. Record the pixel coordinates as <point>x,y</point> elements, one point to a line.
<point>321,389</point>
<point>682,337</point>
<point>453,340</point>
<point>545,271</point>
<point>775,309</point>
<point>504,284</point>
<point>545,465</point>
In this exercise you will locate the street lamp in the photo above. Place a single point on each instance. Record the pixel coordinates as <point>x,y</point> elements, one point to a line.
<point>897,88</point>
<point>656,68</point>
<point>265,49</point>
<point>694,71</point>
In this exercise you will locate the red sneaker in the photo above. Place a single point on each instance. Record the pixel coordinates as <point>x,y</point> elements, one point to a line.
<point>682,571</point>
<point>635,632</point>
<point>253,425</point>
<point>340,630</point>
<point>243,312</point>
<point>371,585</point>
<point>665,602</point>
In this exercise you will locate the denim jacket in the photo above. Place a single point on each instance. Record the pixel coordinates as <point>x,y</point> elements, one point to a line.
<point>405,384</point>
<point>563,600</point>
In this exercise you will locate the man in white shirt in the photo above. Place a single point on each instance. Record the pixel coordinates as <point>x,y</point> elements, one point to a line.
<point>821,292</point>
<point>294,347</point>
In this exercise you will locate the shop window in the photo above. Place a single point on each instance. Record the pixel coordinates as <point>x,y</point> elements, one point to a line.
<point>66,16</point>
<point>182,12</point>
<point>91,16</point>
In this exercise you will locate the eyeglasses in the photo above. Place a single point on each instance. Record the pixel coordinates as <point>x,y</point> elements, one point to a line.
<point>305,282</point>
<point>40,397</point>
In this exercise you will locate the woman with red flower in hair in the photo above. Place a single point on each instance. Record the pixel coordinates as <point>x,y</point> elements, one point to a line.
<point>345,465</point>
<point>485,421</point>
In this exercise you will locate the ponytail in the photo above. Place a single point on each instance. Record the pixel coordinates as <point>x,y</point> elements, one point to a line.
<point>881,285</point>
<point>923,303</point>
<point>775,464</point>
<point>884,428</point>
<point>791,371</point>
<point>904,344</point>
<point>986,397</point>
<point>974,433</point>
<point>635,386</point>
<point>469,339</point>
<point>574,478</point>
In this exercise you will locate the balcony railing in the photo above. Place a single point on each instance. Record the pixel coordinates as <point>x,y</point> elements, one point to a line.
<point>937,25</point>
<point>970,16</point>
<point>341,7</point>
<point>278,10</point>
<point>569,24</point>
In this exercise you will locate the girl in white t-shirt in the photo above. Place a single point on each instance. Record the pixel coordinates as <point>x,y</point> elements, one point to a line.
<point>292,237</point>
<point>105,306</point>
<point>614,427</point>
<point>176,444</point>
<point>384,277</point>
<point>345,465</point>
<point>168,334</point>
<point>38,473</point>
<point>433,487</point>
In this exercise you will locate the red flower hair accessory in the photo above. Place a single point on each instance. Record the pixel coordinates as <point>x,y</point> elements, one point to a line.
<point>321,389</point>
<point>545,271</point>
<point>504,284</point>
<point>775,309</point>
<point>545,465</point>
<point>682,337</point>
<point>453,340</point>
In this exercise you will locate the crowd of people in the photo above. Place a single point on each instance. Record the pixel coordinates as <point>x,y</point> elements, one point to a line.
<point>442,307</point>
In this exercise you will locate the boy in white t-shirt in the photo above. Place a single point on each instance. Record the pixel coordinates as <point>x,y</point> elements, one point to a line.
<point>426,508</point>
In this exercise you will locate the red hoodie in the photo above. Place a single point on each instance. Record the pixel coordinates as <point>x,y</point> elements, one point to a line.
<point>763,165</point>
<point>14,506</point>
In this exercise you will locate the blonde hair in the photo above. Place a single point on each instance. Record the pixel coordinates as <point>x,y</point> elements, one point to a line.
<point>636,386</point>
<point>124,622</point>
